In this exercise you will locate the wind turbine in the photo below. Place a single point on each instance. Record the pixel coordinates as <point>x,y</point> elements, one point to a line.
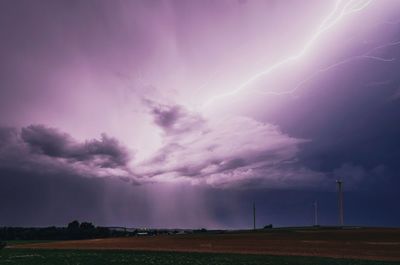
<point>254,216</point>
<point>340,201</point>
<point>315,204</point>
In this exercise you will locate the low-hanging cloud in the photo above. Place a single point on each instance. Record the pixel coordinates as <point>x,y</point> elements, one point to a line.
<point>37,148</point>
<point>230,152</point>
<point>237,151</point>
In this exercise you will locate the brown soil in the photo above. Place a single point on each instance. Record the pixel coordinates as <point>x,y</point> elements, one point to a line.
<point>375,244</point>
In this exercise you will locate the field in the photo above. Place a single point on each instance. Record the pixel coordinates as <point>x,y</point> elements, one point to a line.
<point>286,246</point>
<point>114,257</point>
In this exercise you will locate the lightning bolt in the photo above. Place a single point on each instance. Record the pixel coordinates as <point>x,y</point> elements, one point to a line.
<point>339,11</point>
<point>367,55</point>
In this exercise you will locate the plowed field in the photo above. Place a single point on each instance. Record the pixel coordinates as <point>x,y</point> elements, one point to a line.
<point>374,244</point>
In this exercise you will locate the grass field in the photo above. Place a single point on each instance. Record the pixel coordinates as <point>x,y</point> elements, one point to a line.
<point>98,257</point>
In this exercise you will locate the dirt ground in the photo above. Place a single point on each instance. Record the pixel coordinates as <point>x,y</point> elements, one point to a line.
<point>374,244</point>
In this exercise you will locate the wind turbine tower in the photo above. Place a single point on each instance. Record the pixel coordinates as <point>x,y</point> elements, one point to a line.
<point>315,213</point>
<point>254,215</point>
<point>340,201</point>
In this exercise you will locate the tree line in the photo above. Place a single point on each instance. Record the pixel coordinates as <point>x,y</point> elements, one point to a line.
<point>74,230</point>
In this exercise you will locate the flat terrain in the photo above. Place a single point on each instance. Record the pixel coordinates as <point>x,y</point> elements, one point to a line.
<point>121,257</point>
<point>367,244</point>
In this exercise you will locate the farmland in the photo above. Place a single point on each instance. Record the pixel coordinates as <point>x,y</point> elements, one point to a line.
<point>357,244</point>
<point>98,257</point>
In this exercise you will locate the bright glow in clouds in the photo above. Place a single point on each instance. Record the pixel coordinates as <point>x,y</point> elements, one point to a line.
<point>228,152</point>
<point>340,10</point>
<point>233,150</point>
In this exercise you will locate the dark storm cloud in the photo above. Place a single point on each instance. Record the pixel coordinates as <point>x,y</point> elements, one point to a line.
<point>352,123</point>
<point>351,116</point>
<point>174,119</point>
<point>53,143</point>
<point>38,148</point>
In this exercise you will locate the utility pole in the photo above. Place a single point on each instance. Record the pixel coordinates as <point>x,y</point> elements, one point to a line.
<point>340,201</point>
<point>254,215</point>
<point>315,213</point>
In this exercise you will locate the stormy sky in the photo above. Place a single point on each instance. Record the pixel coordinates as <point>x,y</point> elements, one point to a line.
<point>182,113</point>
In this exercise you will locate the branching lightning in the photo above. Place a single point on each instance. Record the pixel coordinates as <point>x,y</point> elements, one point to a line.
<point>339,11</point>
<point>367,55</point>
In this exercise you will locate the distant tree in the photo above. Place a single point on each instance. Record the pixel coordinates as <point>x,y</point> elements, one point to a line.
<point>86,226</point>
<point>74,225</point>
<point>268,226</point>
<point>74,230</point>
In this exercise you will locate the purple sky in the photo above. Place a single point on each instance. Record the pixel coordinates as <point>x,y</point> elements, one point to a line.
<point>182,113</point>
